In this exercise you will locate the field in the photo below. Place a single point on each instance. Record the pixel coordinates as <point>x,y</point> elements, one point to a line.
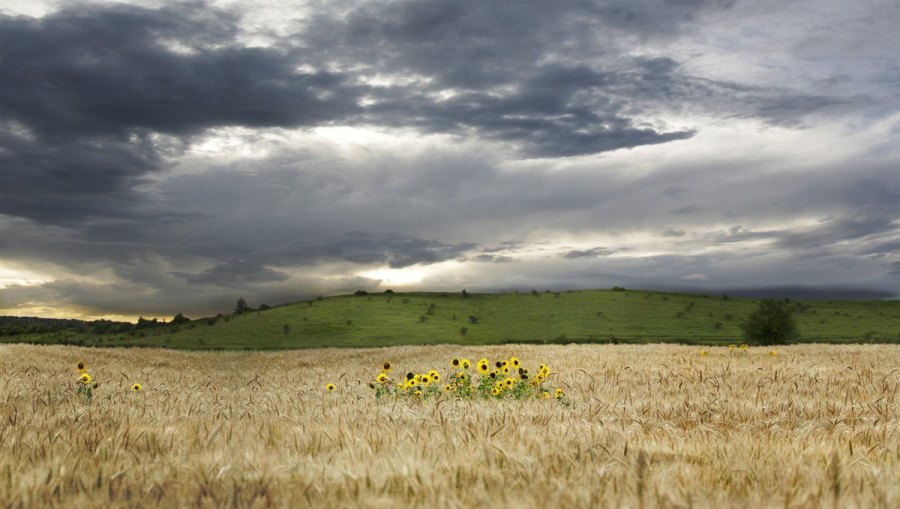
<point>648,426</point>
<point>595,316</point>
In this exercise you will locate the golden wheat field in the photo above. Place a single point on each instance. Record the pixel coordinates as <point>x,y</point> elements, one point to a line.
<point>648,426</point>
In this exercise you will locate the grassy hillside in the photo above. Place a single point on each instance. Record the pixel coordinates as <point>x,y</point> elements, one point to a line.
<point>577,316</point>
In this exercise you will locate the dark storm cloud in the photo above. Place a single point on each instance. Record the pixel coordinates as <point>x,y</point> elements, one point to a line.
<point>395,250</point>
<point>101,105</point>
<point>237,273</point>
<point>107,71</point>
<point>83,90</point>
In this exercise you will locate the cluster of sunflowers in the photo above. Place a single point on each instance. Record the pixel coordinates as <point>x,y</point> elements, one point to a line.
<point>86,383</point>
<point>504,379</point>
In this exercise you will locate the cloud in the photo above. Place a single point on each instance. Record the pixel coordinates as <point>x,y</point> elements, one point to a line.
<point>207,152</point>
<point>588,253</point>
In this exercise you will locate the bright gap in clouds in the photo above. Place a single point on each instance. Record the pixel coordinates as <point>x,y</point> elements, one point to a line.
<point>410,276</point>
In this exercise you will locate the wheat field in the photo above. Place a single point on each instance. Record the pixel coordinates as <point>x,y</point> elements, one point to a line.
<point>648,426</point>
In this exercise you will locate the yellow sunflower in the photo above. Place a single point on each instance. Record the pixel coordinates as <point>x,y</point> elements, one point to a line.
<point>136,388</point>
<point>329,387</point>
<point>81,367</point>
<point>496,391</point>
<point>382,378</point>
<point>514,361</point>
<point>559,393</point>
<point>386,366</point>
<point>483,366</point>
<point>466,364</point>
<point>448,388</point>
<point>85,378</point>
<point>455,362</point>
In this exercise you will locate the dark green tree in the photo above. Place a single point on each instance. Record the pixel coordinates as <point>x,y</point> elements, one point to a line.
<point>241,307</point>
<point>770,324</point>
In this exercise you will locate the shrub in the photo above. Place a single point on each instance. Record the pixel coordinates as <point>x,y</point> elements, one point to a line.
<point>771,323</point>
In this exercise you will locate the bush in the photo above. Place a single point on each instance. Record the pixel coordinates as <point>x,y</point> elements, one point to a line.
<point>771,323</point>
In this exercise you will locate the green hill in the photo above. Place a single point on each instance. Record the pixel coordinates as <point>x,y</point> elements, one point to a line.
<point>561,317</point>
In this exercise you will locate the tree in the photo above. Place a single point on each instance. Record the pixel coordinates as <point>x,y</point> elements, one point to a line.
<point>771,323</point>
<point>241,307</point>
<point>180,319</point>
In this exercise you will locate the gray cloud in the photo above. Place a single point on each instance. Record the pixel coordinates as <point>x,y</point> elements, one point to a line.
<point>588,253</point>
<point>513,123</point>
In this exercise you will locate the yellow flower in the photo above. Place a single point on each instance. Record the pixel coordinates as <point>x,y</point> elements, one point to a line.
<point>732,347</point>
<point>386,366</point>
<point>483,366</point>
<point>434,375</point>
<point>509,382</point>
<point>81,367</point>
<point>545,395</point>
<point>466,364</point>
<point>703,353</point>
<point>559,392</point>
<point>329,387</point>
<point>85,378</point>
<point>773,353</point>
<point>448,388</point>
<point>744,347</point>
<point>382,378</point>
<point>455,362</point>
<point>136,388</point>
<point>515,362</point>
<point>417,394</point>
<point>496,391</point>
<point>425,380</point>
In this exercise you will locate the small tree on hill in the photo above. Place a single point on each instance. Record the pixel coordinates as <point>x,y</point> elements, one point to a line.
<point>241,306</point>
<point>771,323</point>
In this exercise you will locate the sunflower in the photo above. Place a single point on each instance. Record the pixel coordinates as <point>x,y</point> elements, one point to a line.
<point>744,347</point>
<point>329,387</point>
<point>410,375</point>
<point>732,347</point>
<point>455,362</point>
<point>386,366</point>
<point>773,353</point>
<point>515,362</point>
<point>434,375</point>
<point>703,353</point>
<point>499,364</point>
<point>483,367</point>
<point>136,388</point>
<point>509,382</point>
<point>85,378</point>
<point>417,394</point>
<point>545,395</point>
<point>426,379</point>
<point>496,391</point>
<point>466,364</point>
<point>559,392</point>
<point>382,378</point>
<point>448,388</point>
<point>81,367</point>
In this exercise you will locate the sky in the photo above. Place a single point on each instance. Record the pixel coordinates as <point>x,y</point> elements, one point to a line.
<point>164,157</point>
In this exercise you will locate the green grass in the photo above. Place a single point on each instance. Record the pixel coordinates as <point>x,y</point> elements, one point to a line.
<point>564,317</point>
